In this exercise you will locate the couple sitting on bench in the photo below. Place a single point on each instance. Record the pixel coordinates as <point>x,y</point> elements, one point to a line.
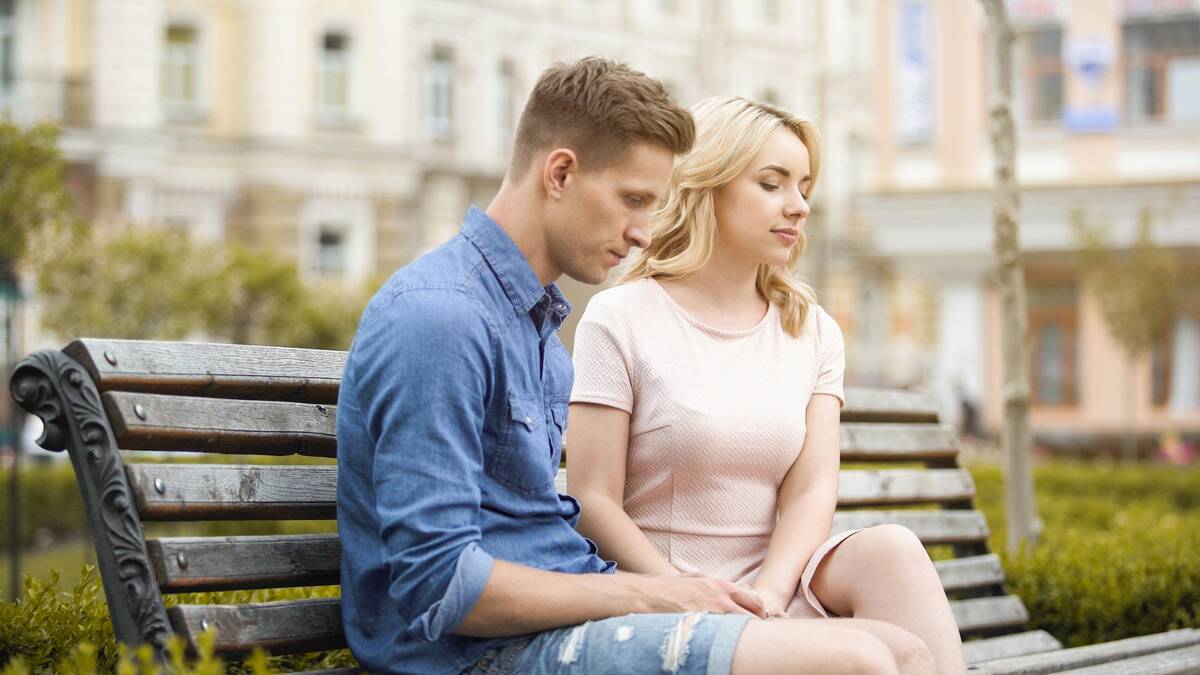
<point>704,404</point>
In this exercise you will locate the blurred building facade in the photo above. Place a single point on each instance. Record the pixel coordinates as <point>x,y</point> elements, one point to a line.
<point>1107,107</point>
<point>352,134</point>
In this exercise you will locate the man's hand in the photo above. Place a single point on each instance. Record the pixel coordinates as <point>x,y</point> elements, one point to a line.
<point>696,592</point>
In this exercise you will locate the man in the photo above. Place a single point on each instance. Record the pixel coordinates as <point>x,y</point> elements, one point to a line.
<point>458,552</point>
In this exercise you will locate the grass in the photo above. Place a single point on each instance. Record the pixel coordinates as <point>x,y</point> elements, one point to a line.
<point>67,557</point>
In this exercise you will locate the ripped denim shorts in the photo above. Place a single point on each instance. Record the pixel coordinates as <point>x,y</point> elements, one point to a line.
<point>686,644</point>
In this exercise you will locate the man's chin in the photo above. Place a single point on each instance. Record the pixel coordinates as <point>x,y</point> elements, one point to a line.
<point>592,277</point>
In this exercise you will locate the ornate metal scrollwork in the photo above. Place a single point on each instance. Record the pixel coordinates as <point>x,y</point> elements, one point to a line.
<point>56,388</point>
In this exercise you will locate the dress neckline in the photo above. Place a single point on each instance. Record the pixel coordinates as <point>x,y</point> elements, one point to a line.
<point>713,330</point>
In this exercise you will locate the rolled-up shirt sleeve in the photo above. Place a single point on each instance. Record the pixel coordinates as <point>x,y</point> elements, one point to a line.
<point>423,366</point>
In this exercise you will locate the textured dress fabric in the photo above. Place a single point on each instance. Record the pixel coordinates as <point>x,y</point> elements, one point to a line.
<point>717,418</point>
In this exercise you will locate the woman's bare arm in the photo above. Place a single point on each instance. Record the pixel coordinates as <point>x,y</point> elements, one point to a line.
<point>597,440</point>
<point>807,499</point>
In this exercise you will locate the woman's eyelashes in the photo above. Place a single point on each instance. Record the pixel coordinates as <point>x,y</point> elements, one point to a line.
<point>769,187</point>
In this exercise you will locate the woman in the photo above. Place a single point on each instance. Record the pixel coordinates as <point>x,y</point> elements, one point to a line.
<point>708,385</point>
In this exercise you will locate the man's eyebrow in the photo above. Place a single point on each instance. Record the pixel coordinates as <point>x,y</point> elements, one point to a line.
<point>776,167</point>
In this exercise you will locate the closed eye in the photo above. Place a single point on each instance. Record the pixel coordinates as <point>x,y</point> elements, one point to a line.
<point>769,187</point>
<point>635,201</point>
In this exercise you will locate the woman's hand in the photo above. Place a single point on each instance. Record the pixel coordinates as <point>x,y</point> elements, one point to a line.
<point>774,604</point>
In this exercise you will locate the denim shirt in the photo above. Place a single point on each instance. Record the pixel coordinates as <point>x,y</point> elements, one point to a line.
<point>449,422</point>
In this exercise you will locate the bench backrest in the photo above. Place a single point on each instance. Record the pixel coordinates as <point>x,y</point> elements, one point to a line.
<point>99,397</point>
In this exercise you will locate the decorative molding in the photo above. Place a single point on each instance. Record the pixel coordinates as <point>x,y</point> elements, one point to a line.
<point>58,390</point>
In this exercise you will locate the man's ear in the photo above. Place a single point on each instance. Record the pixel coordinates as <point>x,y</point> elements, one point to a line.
<point>559,167</point>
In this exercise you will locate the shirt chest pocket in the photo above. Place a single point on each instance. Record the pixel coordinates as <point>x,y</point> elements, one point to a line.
<point>524,460</point>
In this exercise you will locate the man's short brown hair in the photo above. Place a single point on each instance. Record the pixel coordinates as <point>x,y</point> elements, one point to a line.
<point>598,107</point>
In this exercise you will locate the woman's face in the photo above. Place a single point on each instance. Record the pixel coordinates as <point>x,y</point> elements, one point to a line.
<point>761,213</point>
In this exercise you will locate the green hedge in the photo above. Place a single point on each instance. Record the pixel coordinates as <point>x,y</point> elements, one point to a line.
<point>56,630</point>
<point>1118,556</point>
<point>1118,559</point>
<point>50,502</point>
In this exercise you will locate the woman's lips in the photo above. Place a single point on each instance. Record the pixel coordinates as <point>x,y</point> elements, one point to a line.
<point>788,236</point>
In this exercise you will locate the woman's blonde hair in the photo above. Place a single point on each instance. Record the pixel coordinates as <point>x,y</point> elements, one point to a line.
<point>730,131</point>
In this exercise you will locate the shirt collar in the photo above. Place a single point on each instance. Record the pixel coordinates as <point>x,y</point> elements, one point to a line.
<point>518,279</point>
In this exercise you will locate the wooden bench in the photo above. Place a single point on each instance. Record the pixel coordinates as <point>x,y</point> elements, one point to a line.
<point>98,397</point>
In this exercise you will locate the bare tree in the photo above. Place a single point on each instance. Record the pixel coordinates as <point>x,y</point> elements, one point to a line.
<point>1021,514</point>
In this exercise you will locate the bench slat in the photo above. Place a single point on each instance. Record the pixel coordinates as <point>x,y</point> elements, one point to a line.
<point>978,615</point>
<point>187,564</point>
<point>212,370</point>
<point>903,486</point>
<point>157,422</point>
<point>1173,662</point>
<point>970,572</point>
<point>287,627</point>
<point>1017,644</point>
<point>931,527</point>
<point>1080,657</point>
<point>233,491</point>
<point>862,442</point>
<point>867,404</point>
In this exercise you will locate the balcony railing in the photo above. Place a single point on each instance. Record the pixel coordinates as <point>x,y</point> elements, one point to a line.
<point>29,99</point>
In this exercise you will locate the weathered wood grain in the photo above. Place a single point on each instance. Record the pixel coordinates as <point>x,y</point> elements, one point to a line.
<point>888,442</point>
<point>989,614</point>
<point>1016,644</point>
<point>212,370</point>
<point>867,404</point>
<point>971,572</point>
<point>157,422</point>
<point>288,627</point>
<point>931,527</point>
<point>187,564</point>
<point>1081,657</point>
<point>233,491</point>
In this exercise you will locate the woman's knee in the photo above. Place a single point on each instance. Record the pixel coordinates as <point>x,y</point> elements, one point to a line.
<point>896,542</point>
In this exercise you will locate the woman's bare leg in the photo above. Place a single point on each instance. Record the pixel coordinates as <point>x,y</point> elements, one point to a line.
<point>810,646</point>
<point>884,573</point>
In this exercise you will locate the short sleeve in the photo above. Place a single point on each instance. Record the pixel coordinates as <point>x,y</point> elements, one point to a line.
<point>601,356</point>
<point>832,368</point>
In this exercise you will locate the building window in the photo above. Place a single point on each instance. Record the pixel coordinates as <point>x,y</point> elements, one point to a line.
<point>331,250</point>
<point>506,94</point>
<point>333,78</point>
<point>914,95</point>
<point>770,10</point>
<point>7,49</point>
<point>1040,87</point>
<point>1162,69</point>
<point>181,64</point>
<point>1053,326</point>
<point>439,95</point>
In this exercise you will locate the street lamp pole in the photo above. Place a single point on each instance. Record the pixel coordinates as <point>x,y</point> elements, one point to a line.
<point>9,294</point>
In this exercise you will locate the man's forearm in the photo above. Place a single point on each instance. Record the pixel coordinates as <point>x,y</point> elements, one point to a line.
<point>519,600</point>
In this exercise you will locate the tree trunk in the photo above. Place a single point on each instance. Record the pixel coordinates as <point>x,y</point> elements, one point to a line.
<point>1022,523</point>
<point>1129,438</point>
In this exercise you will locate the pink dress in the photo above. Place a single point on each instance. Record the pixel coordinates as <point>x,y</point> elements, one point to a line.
<point>716,420</point>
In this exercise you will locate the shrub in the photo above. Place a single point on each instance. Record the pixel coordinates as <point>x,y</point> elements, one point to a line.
<point>1117,557</point>
<point>69,632</point>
